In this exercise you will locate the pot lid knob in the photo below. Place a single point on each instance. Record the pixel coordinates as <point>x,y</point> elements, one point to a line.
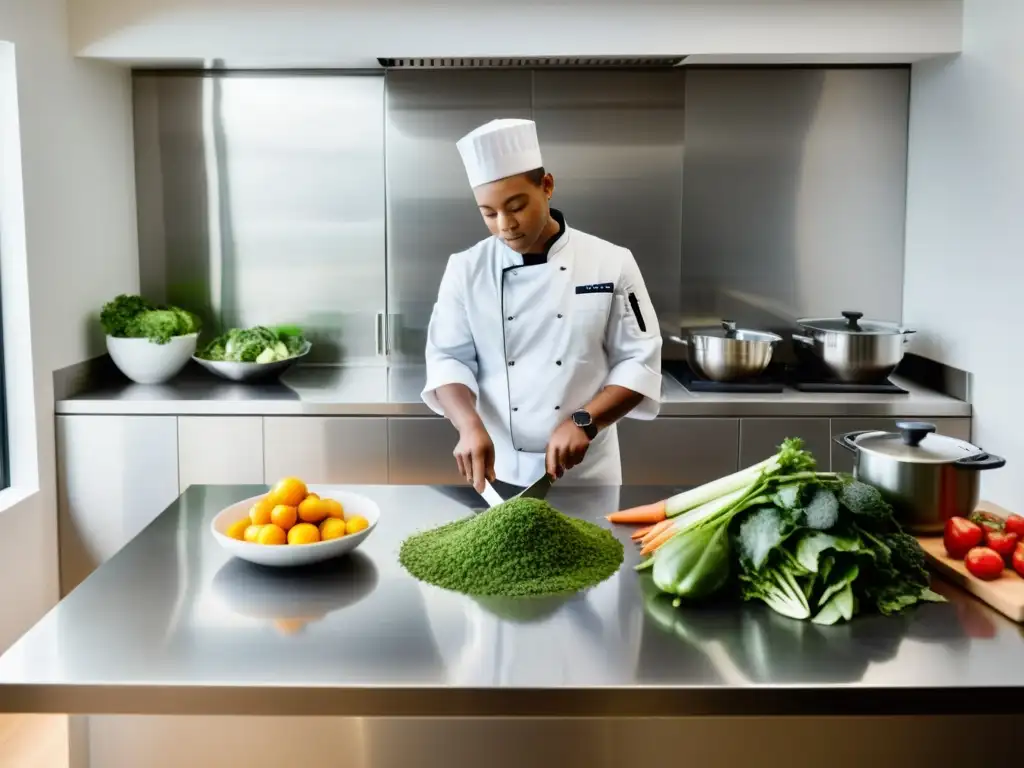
<point>913,432</point>
<point>730,328</point>
<point>851,320</point>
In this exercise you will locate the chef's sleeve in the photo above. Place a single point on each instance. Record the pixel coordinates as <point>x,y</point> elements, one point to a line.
<point>633,341</point>
<point>450,352</point>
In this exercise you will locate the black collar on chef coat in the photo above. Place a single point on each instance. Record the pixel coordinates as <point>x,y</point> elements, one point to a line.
<point>533,259</point>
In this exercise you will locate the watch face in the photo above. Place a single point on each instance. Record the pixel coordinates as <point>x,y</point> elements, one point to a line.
<point>581,419</point>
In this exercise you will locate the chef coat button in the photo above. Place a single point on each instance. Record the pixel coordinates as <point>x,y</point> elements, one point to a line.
<point>558,362</point>
<point>515,409</point>
<point>511,362</point>
<point>520,450</point>
<point>558,407</point>
<point>559,315</point>
<point>510,317</point>
<point>562,268</point>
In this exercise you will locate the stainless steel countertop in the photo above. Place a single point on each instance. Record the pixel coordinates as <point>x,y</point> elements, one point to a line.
<point>395,391</point>
<point>171,625</point>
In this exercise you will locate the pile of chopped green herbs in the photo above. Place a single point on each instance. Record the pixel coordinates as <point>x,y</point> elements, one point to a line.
<point>129,316</point>
<point>519,548</point>
<point>810,545</point>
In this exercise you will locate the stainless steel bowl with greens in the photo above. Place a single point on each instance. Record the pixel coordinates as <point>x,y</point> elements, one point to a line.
<point>259,352</point>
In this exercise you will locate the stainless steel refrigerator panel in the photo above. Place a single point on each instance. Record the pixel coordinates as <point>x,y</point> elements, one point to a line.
<point>430,208</point>
<point>261,201</point>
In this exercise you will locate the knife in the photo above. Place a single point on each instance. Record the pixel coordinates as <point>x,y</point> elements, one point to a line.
<point>539,489</point>
<point>491,496</point>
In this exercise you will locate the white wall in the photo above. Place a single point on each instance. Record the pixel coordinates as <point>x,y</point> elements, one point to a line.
<point>74,247</point>
<point>347,32</point>
<point>964,282</point>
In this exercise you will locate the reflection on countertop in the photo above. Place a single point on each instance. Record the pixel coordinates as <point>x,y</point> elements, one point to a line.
<point>203,634</point>
<point>379,390</point>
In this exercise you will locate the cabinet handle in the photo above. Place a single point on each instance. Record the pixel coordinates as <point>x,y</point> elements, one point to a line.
<point>381,334</point>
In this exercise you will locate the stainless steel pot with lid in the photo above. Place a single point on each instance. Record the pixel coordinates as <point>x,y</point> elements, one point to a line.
<point>728,353</point>
<point>853,349</point>
<point>927,477</point>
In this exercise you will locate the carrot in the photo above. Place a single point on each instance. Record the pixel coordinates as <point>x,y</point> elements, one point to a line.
<point>656,529</point>
<point>647,513</point>
<point>658,540</point>
<point>641,532</point>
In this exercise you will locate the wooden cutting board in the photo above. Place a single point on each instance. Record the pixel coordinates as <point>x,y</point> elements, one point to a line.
<point>1005,594</point>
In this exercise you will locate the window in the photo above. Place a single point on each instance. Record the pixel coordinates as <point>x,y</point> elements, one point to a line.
<point>5,463</point>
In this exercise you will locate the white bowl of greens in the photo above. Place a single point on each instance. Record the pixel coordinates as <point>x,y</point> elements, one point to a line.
<point>149,343</point>
<point>249,354</point>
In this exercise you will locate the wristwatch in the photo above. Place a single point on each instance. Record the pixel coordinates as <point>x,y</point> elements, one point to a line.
<point>583,420</point>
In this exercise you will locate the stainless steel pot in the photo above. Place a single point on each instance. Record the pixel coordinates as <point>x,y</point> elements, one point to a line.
<point>852,349</point>
<point>928,478</point>
<point>728,353</point>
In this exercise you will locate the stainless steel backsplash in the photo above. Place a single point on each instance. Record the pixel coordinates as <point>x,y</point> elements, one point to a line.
<point>325,199</point>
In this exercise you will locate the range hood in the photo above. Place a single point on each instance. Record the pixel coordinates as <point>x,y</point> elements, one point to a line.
<point>536,62</point>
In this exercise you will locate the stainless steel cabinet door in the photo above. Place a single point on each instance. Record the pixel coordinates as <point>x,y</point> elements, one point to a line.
<point>760,438</point>
<point>220,450</point>
<point>842,459</point>
<point>420,451</point>
<point>115,474</point>
<point>332,449</point>
<point>678,451</point>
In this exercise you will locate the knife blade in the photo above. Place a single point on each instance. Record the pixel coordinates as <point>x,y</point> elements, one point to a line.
<point>539,489</point>
<point>491,496</point>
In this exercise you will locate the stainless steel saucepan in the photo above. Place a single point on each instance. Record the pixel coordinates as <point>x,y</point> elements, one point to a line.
<point>852,349</point>
<point>728,353</point>
<point>928,478</point>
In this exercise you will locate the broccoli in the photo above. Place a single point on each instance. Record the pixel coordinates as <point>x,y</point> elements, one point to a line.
<point>133,317</point>
<point>870,509</point>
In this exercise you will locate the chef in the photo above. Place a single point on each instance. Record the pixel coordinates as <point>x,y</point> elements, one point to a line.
<point>542,337</point>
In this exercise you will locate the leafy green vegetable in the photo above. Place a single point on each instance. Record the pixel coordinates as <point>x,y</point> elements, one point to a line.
<point>761,532</point>
<point>129,316</point>
<point>258,344</point>
<point>822,510</point>
<point>777,586</point>
<point>810,545</point>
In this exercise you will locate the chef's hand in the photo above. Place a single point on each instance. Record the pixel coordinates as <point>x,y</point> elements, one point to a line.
<point>566,448</point>
<point>474,454</point>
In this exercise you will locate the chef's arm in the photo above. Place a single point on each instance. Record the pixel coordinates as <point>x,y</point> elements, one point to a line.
<point>459,405</point>
<point>633,345</point>
<point>611,404</point>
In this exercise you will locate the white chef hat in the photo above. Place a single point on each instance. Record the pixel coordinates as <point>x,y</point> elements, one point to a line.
<point>499,149</point>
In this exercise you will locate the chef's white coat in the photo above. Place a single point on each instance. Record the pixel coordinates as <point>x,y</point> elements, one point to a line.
<point>535,343</point>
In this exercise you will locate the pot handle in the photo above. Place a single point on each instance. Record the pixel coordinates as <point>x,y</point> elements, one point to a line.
<point>852,320</point>
<point>847,440</point>
<point>980,462</point>
<point>807,341</point>
<point>913,432</point>
<point>678,340</point>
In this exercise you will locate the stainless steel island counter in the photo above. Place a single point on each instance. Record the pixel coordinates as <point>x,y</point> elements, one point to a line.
<point>172,625</point>
<point>339,390</point>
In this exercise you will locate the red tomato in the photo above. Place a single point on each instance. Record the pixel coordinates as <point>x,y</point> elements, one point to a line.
<point>984,563</point>
<point>1015,524</point>
<point>1003,543</point>
<point>960,535</point>
<point>1018,559</point>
